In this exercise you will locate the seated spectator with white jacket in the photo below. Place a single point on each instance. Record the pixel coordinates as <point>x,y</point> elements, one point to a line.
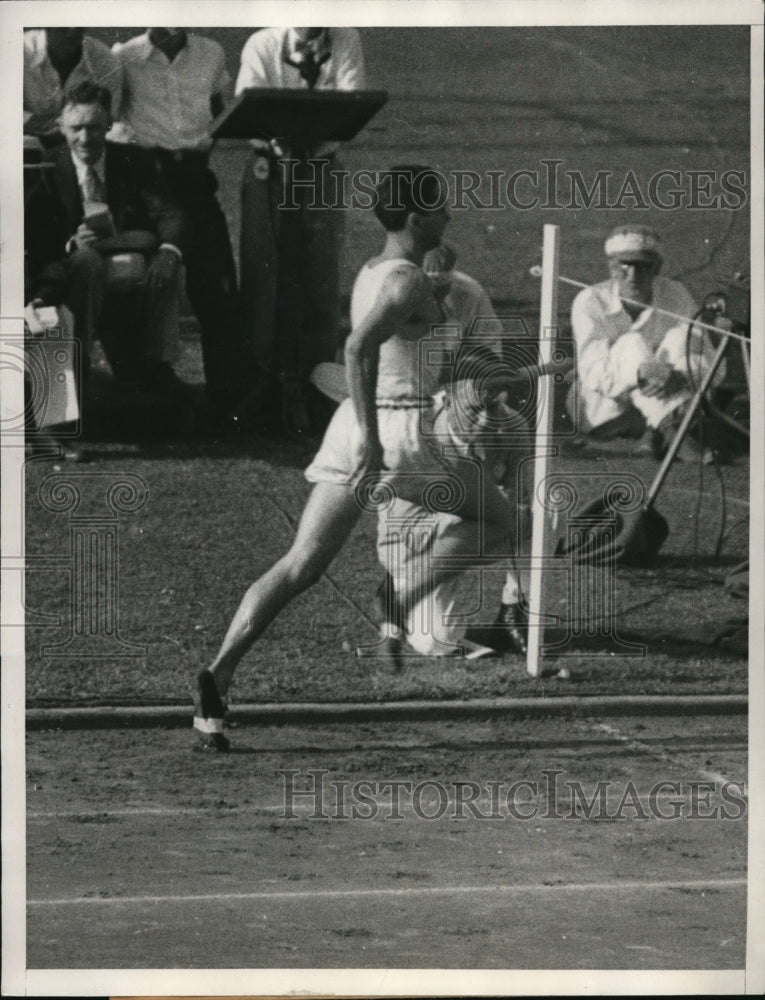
<point>633,373</point>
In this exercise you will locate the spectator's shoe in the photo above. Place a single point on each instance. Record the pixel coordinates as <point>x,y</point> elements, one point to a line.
<point>209,711</point>
<point>507,634</point>
<point>75,455</point>
<point>42,444</point>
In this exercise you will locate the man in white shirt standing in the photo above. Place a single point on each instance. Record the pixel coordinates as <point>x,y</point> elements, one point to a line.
<point>290,299</point>
<point>175,82</point>
<point>632,358</point>
<point>55,60</point>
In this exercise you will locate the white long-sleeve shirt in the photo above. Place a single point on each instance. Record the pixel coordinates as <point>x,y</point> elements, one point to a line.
<point>599,319</point>
<point>264,63</point>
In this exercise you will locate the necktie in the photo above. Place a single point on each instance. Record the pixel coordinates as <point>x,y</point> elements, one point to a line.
<point>93,188</point>
<point>309,68</point>
<point>308,64</point>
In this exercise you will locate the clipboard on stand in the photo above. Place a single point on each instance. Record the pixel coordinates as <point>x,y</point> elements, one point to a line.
<point>306,118</point>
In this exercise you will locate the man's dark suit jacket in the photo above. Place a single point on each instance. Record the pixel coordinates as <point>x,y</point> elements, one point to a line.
<point>54,210</point>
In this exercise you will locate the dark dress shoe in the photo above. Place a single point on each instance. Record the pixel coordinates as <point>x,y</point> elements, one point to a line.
<point>508,632</point>
<point>43,444</point>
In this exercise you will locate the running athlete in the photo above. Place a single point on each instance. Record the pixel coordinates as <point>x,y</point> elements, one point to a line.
<point>385,434</point>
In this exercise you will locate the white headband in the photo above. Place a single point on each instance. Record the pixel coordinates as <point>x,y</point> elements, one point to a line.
<point>621,243</point>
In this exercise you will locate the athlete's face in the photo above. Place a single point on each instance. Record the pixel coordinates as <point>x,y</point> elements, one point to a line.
<point>634,278</point>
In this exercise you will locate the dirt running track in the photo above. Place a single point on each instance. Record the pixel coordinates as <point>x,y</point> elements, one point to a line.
<point>143,853</point>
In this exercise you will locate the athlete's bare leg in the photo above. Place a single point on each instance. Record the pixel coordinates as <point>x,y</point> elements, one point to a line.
<point>328,518</point>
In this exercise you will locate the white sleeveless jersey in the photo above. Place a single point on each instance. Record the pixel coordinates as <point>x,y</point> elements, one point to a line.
<point>402,372</point>
<point>423,449</point>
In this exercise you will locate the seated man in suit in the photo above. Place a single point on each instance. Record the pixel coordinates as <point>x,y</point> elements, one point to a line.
<point>105,240</point>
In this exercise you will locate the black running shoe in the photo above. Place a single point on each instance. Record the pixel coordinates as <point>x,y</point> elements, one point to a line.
<point>209,712</point>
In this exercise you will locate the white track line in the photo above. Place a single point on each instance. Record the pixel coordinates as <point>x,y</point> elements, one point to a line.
<point>663,755</point>
<point>95,813</point>
<point>700,885</point>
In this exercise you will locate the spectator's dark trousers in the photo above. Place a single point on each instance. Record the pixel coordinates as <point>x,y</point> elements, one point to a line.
<point>210,276</point>
<point>131,325</point>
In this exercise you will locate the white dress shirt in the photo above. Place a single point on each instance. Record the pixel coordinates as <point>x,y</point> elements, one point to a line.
<point>264,63</point>
<point>43,93</point>
<point>167,103</point>
<point>81,169</point>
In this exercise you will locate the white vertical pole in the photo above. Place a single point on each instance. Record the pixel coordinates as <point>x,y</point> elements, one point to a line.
<point>548,323</point>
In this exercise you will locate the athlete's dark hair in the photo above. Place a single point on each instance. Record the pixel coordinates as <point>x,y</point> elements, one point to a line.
<point>405,189</point>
